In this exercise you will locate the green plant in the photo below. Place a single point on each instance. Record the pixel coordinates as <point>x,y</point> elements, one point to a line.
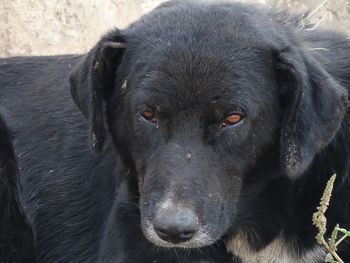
<point>320,221</point>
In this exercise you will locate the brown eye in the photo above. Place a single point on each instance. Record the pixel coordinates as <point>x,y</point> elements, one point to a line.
<point>149,115</point>
<point>232,119</point>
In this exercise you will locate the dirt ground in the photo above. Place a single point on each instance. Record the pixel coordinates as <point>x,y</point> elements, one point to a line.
<point>39,27</point>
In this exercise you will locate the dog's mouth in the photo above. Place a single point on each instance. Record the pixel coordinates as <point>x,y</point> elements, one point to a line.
<point>181,224</point>
<point>201,238</point>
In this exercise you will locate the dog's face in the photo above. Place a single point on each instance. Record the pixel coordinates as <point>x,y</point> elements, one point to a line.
<point>198,109</point>
<point>194,127</point>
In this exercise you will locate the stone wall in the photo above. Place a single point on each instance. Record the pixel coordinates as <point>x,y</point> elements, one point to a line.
<point>39,27</point>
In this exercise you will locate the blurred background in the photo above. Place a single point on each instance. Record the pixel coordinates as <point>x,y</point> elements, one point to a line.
<point>42,27</point>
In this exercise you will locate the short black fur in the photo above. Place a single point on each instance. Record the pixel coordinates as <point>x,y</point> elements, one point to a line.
<point>16,237</point>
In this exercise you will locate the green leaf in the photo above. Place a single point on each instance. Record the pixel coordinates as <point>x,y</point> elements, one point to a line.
<point>344,231</point>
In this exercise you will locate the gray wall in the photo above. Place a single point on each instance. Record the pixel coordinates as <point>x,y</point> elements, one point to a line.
<point>42,27</point>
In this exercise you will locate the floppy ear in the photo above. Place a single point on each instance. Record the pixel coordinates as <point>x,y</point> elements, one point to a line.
<point>315,105</point>
<point>93,80</point>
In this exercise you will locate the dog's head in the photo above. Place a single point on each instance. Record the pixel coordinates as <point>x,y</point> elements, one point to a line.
<point>200,99</point>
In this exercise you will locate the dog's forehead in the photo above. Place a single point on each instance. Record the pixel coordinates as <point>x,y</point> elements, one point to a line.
<point>195,54</point>
<point>187,75</point>
<point>214,23</point>
<point>204,90</point>
<point>208,18</point>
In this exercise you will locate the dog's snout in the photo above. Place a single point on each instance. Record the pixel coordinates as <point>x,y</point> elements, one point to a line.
<point>176,225</point>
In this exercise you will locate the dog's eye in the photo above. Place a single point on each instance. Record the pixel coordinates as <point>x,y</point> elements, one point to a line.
<point>149,115</point>
<point>232,120</point>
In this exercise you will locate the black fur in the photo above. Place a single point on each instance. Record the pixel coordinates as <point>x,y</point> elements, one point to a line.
<point>16,237</point>
<point>192,64</point>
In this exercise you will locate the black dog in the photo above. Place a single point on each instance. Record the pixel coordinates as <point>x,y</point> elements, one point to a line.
<point>226,123</point>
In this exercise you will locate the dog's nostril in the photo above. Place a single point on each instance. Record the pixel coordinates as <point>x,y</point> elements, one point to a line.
<point>175,226</point>
<point>161,233</point>
<point>187,235</point>
<point>174,234</point>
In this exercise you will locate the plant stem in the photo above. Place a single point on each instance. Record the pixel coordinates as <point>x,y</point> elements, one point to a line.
<point>334,254</point>
<point>341,240</point>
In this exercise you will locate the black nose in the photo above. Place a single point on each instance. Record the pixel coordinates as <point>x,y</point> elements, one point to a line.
<point>175,226</point>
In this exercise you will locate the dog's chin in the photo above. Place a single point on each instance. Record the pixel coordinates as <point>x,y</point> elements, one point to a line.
<point>201,239</point>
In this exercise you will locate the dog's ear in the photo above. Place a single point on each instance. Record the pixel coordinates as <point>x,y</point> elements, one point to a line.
<point>93,80</point>
<point>314,107</point>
